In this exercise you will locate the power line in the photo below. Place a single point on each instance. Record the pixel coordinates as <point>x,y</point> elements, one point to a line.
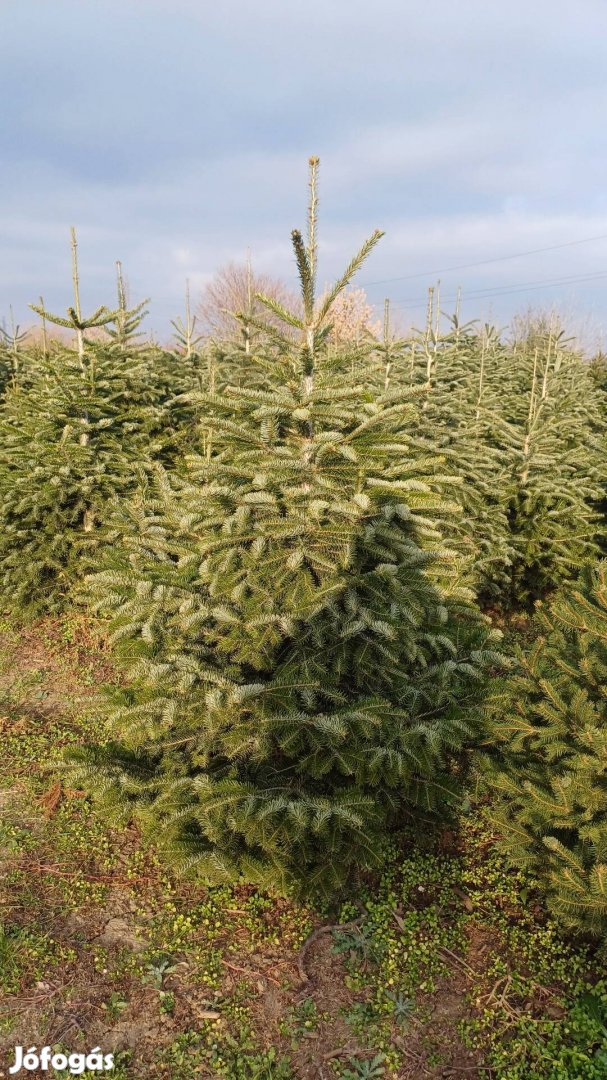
<point>543,283</point>
<point>485,262</point>
<point>520,286</point>
<point>505,290</point>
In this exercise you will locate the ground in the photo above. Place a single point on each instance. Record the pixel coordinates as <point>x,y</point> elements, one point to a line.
<point>445,966</point>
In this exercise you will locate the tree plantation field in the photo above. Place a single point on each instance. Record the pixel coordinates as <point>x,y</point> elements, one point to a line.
<point>303,654</point>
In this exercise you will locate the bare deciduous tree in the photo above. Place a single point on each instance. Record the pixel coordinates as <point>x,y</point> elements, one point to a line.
<point>233,291</point>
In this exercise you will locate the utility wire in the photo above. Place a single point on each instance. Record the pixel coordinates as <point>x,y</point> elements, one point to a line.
<point>521,286</point>
<point>485,262</point>
<point>505,290</point>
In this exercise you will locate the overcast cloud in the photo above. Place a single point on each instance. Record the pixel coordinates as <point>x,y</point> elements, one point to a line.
<point>175,135</point>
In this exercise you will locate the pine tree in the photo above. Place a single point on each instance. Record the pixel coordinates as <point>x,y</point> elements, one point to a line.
<point>456,369</point>
<point>176,374</point>
<point>13,356</point>
<point>551,430</point>
<point>546,759</point>
<point>309,665</point>
<point>523,426</point>
<point>73,438</point>
<point>122,325</point>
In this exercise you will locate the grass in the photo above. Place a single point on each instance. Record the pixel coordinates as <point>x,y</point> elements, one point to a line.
<point>444,966</point>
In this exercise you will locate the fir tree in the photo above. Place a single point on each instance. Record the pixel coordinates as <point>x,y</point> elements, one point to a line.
<point>72,440</point>
<point>13,356</point>
<point>546,760</point>
<point>551,431</point>
<point>309,666</point>
<point>122,325</point>
<point>523,426</point>
<point>190,367</point>
<point>456,369</point>
<point>391,350</point>
<point>597,369</point>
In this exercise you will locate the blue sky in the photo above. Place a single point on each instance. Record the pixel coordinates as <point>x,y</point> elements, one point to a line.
<point>175,135</point>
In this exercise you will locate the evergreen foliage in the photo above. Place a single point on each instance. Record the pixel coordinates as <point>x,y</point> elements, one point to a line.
<point>552,432</point>
<point>293,522</point>
<point>457,370</point>
<point>14,357</point>
<point>308,665</point>
<point>546,760</point>
<point>178,373</point>
<point>73,438</point>
<point>523,426</point>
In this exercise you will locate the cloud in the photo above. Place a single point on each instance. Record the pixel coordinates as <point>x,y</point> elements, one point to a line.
<point>175,135</point>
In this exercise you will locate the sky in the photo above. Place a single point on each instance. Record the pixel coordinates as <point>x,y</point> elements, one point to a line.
<point>175,135</point>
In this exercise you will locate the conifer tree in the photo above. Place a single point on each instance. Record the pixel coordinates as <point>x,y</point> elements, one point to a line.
<point>523,426</point>
<point>456,369</point>
<point>122,326</point>
<point>551,431</point>
<point>453,369</point>
<point>391,350</point>
<point>72,439</point>
<point>546,759</point>
<point>309,665</point>
<point>597,369</point>
<point>177,373</point>
<point>13,355</point>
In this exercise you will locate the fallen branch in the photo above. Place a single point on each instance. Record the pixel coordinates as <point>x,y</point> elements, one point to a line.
<point>104,879</point>
<point>314,937</point>
<point>252,974</point>
<point>459,960</point>
<point>350,1051</point>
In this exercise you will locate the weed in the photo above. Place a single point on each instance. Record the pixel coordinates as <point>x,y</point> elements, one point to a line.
<point>115,1006</point>
<point>303,1019</point>
<point>365,1069</point>
<point>167,1001</point>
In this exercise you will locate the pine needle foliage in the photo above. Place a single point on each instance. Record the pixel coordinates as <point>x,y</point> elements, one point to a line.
<point>73,439</point>
<point>178,373</point>
<point>13,355</point>
<point>457,369</point>
<point>122,327</point>
<point>551,429</point>
<point>547,762</point>
<point>305,665</point>
<point>523,425</point>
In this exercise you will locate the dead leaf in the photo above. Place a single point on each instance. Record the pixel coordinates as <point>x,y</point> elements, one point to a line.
<point>466,901</point>
<point>51,799</point>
